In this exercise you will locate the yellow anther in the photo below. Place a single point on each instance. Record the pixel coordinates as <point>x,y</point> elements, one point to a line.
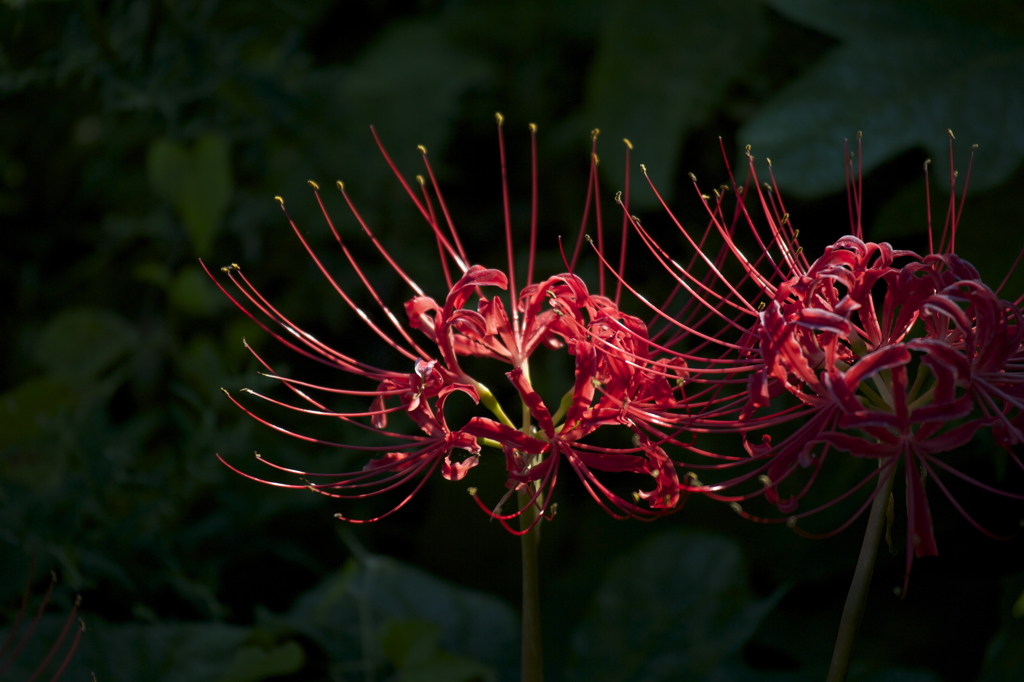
<point>618,197</point>
<point>279,200</point>
<point>791,522</point>
<point>498,117</point>
<point>472,489</point>
<point>420,179</point>
<point>951,135</point>
<point>313,185</point>
<point>628,143</point>
<point>859,135</point>
<point>692,177</point>
<point>533,127</point>
<point>423,150</point>
<point>341,185</point>
<point>785,218</point>
<point>765,481</point>
<point>594,133</point>
<point>735,506</point>
<point>769,161</point>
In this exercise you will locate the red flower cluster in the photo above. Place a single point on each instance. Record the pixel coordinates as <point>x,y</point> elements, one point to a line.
<point>880,353</point>
<point>608,350</point>
<point>883,354</point>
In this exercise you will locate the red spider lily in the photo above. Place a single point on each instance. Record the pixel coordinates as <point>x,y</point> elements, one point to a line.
<point>884,354</point>
<point>432,347</point>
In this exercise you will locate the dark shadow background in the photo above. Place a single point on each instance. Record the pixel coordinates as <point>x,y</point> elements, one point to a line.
<point>140,135</point>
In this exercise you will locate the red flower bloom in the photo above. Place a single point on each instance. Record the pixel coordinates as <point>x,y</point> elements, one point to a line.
<point>885,354</point>
<point>605,344</point>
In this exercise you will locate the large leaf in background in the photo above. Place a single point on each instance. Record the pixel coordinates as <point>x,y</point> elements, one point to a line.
<point>78,344</point>
<point>378,604</point>
<point>197,180</point>
<point>662,69</point>
<point>25,409</point>
<point>75,348</point>
<point>413,646</point>
<point>409,84</point>
<point>904,74</point>
<point>679,607</point>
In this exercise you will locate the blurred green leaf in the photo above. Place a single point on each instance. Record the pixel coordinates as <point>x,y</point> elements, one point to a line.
<point>413,647</point>
<point>153,273</point>
<point>191,292</point>
<point>345,611</point>
<point>662,69</point>
<point>25,411</point>
<point>904,74</point>
<point>197,181</point>
<point>167,165</point>
<point>676,608</point>
<point>410,84</point>
<point>253,663</point>
<point>21,407</point>
<point>79,344</point>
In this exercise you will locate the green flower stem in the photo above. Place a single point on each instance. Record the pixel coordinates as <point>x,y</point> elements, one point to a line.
<point>532,663</point>
<point>488,400</point>
<point>856,598</point>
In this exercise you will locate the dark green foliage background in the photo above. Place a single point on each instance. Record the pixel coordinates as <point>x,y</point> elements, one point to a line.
<point>140,135</point>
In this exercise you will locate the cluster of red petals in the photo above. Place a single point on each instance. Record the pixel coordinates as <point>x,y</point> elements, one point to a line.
<point>895,363</point>
<point>884,354</point>
<point>608,348</point>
